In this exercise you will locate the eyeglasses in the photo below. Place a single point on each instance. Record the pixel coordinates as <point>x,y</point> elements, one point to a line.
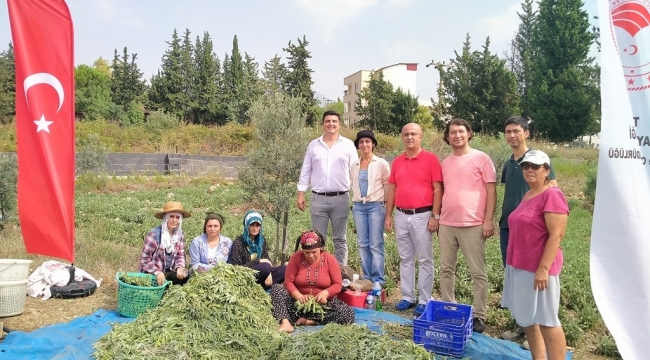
<point>527,166</point>
<point>410,134</point>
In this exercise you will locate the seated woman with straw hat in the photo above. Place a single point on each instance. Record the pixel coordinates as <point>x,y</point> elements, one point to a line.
<point>251,250</point>
<point>163,253</point>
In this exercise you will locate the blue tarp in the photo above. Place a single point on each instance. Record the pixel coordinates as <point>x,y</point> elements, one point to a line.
<point>75,339</point>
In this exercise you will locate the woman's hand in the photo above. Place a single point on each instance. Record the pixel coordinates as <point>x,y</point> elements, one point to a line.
<point>269,281</point>
<point>303,298</point>
<point>322,296</point>
<point>160,278</point>
<point>541,279</point>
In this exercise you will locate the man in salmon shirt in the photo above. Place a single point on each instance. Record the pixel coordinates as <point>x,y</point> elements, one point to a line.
<point>416,192</point>
<point>467,215</point>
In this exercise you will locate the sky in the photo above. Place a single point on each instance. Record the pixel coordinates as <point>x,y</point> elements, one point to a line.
<point>344,36</point>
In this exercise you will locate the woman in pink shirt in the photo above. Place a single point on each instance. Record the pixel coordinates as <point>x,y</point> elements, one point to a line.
<point>311,272</point>
<point>531,288</point>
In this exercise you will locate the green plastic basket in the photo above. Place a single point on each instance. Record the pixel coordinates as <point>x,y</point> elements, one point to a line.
<point>134,300</point>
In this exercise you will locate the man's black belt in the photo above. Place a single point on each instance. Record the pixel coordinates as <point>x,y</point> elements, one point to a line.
<point>415,211</point>
<point>333,193</point>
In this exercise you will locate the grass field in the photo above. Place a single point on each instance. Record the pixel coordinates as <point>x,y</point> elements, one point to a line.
<point>113,215</point>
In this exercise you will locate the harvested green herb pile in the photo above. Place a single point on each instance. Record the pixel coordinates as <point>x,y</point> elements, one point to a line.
<point>353,342</point>
<point>219,314</point>
<point>141,281</point>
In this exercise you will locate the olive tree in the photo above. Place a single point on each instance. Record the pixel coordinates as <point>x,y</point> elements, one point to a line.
<point>273,164</point>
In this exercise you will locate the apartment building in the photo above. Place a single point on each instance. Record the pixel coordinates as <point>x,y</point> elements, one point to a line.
<point>401,75</point>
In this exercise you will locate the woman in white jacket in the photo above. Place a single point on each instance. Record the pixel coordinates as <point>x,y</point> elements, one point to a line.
<point>369,177</point>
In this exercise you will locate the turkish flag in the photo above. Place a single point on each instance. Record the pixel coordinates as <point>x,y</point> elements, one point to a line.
<point>43,46</point>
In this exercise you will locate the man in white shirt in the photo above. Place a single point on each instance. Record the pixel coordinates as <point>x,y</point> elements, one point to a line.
<point>326,168</point>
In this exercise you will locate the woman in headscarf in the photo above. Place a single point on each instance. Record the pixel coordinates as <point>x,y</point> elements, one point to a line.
<point>210,248</point>
<point>311,272</point>
<point>163,253</point>
<point>251,250</point>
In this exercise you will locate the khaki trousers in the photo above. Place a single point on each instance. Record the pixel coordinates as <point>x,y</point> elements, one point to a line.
<point>471,241</point>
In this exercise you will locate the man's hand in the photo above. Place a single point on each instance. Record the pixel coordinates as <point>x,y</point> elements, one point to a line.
<point>388,223</point>
<point>488,228</point>
<point>301,201</point>
<point>433,225</point>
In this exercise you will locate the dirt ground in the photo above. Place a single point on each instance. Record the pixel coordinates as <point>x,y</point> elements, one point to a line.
<point>39,313</point>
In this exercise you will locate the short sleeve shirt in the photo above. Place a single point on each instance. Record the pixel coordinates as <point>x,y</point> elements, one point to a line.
<point>516,187</point>
<point>414,178</point>
<point>465,198</point>
<point>528,232</point>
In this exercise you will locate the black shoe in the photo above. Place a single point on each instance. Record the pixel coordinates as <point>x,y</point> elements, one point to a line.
<point>479,325</point>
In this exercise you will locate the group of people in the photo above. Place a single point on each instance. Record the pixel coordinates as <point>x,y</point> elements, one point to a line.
<point>456,199</point>
<point>310,272</point>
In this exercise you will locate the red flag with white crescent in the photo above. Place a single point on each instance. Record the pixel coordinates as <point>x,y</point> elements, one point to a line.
<point>43,45</point>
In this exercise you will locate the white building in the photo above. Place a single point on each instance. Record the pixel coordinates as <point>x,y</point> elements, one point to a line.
<point>401,75</point>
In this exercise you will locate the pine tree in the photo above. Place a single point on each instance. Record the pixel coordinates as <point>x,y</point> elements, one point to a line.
<point>166,92</point>
<point>207,107</point>
<point>233,83</point>
<point>187,98</point>
<point>299,77</point>
<point>561,101</point>
<point>479,89</point>
<point>275,76</point>
<point>524,53</point>
<point>7,86</point>
<point>127,85</point>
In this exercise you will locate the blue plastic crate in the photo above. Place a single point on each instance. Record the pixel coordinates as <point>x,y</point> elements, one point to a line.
<point>444,328</point>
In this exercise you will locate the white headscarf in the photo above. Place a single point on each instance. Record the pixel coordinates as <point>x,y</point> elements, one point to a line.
<point>167,240</point>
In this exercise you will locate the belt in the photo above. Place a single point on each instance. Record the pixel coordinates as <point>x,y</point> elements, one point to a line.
<point>415,211</point>
<point>333,193</point>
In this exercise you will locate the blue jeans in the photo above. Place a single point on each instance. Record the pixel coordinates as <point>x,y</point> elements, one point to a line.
<point>369,222</point>
<point>503,237</point>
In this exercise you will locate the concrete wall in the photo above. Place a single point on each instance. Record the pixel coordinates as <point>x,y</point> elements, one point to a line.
<point>121,164</point>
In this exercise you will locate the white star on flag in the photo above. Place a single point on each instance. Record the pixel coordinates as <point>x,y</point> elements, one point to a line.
<point>43,124</point>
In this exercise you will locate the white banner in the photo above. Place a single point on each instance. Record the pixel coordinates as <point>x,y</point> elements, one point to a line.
<point>620,240</point>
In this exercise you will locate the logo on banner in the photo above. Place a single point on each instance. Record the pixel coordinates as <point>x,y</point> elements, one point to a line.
<point>630,21</point>
<point>49,79</point>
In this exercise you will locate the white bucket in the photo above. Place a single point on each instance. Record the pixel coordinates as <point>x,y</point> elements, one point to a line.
<point>14,269</point>
<point>12,297</point>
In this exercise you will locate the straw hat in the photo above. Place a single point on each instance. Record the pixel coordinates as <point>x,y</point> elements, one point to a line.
<point>172,206</point>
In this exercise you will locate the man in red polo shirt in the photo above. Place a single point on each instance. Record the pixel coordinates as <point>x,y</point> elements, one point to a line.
<point>416,192</point>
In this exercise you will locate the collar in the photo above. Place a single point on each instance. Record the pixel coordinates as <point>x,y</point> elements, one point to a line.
<point>322,138</point>
<point>372,159</point>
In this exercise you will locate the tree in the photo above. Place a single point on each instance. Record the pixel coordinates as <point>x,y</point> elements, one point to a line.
<point>92,92</point>
<point>208,107</point>
<point>404,108</point>
<point>7,86</point>
<point>168,85</point>
<point>561,101</point>
<point>523,54</point>
<point>479,88</point>
<point>273,166</point>
<point>275,76</point>
<point>187,96</point>
<point>127,86</point>
<point>233,83</point>
<point>423,117</point>
<point>102,66</point>
<point>299,77</point>
<point>375,104</point>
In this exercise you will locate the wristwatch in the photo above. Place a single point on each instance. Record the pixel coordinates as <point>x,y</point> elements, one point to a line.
<point>435,216</point>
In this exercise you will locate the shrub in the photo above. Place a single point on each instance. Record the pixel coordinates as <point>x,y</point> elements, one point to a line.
<point>91,154</point>
<point>8,179</point>
<point>590,185</point>
<point>607,347</point>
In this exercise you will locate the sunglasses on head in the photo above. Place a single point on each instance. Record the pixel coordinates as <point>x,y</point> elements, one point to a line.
<point>527,166</point>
